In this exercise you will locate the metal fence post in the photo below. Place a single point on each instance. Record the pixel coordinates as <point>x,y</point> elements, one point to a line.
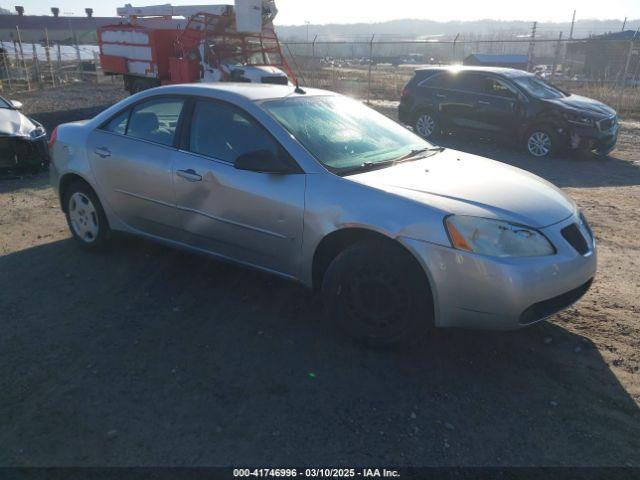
<point>370,65</point>
<point>313,62</point>
<point>623,82</point>
<point>556,57</point>
<point>6,64</point>
<point>532,45</point>
<point>47,52</point>
<point>24,63</point>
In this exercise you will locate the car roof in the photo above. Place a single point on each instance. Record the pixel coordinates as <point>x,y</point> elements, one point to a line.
<point>507,72</point>
<point>246,91</point>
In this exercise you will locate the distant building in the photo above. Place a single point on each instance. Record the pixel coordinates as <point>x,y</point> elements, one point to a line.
<point>60,29</point>
<point>490,60</point>
<point>605,56</point>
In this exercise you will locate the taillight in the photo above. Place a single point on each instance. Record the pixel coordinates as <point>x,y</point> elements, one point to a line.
<point>404,92</point>
<point>53,137</point>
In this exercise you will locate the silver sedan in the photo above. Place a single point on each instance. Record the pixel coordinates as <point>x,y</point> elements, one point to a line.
<point>398,235</point>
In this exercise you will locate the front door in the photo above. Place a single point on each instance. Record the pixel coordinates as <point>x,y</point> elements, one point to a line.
<point>498,107</point>
<point>251,217</point>
<point>132,158</point>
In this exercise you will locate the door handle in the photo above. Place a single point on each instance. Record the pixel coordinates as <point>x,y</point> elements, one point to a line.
<point>440,95</point>
<point>189,175</point>
<point>103,152</point>
<point>482,102</point>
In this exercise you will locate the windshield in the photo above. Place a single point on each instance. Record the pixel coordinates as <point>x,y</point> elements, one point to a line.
<point>342,133</point>
<point>538,88</point>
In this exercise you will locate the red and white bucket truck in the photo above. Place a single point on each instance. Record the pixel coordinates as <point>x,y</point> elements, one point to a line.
<point>164,44</point>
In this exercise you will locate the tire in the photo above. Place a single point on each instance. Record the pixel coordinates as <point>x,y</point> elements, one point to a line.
<point>377,293</point>
<point>541,142</point>
<point>139,85</point>
<point>427,124</point>
<point>85,216</point>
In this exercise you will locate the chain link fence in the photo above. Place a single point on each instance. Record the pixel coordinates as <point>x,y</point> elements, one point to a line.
<point>607,69</point>
<point>601,68</point>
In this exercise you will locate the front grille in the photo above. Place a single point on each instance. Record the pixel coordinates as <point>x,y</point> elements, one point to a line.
<point>607,123</point>
<point>546,308</point>
<point>573,235</point>
<point>279,80</point>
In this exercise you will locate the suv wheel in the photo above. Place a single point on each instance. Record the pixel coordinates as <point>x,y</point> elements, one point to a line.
<point>85,216</point>
<point>540,142</point>
<point>426,125</point>
<point>377,293</point>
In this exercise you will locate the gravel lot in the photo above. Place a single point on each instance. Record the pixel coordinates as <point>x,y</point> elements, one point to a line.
<point>148,356</point>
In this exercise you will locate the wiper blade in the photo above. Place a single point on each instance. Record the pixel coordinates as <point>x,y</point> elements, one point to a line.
<point>416,153</point>
<point>364,166</point>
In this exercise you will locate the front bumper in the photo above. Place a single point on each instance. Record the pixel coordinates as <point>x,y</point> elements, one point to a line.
<point>476,291</point>
<point>21,152</point>
<point>602,141</point>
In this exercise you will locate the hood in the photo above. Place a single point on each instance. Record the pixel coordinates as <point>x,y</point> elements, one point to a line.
<point>459,183</point>
<point>13,123</point>
<point>583,104</point>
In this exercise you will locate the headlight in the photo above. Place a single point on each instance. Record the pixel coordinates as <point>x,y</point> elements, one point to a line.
<point>581,120</point>
<point>496,238</point>
<point>37,132</point>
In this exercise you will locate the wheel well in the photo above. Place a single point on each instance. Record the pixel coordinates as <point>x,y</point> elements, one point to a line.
<point>334,243</point>
<point>65,181</point>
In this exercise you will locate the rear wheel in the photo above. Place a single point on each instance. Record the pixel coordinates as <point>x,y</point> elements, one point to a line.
<point>378,294</point>
<point>85,216</point>
<point>427,125</point>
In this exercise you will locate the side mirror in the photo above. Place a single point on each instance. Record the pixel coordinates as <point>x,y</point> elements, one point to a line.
<point>16,104</point>
<point>263,161</point>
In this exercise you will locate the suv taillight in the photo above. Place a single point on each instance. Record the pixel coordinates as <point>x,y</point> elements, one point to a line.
<point>404,92</point>
<point>54,136</point>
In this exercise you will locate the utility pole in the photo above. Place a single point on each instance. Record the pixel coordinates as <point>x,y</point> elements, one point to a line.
<point>532,44</point>
<point>573,22</point>
<point>624,24</point>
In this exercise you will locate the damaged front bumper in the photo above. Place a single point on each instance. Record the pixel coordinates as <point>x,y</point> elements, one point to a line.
<point>24,151</point>
<point>602,140</point>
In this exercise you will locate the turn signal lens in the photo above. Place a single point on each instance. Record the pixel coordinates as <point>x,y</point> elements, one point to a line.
<point>457,240</point>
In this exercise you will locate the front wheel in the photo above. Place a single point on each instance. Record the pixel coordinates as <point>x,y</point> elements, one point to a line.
<point>85,216</point>
<point>377,293</point>
<point>541,142</point>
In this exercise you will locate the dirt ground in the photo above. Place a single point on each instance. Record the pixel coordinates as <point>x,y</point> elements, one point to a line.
<point>147,356</point>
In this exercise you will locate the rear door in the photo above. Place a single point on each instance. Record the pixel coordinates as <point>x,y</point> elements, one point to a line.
<point>251,217</point>
<point>453,99</point>
<point>132,159</point>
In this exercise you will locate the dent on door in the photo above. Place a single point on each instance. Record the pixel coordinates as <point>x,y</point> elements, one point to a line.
<point>250,217</point>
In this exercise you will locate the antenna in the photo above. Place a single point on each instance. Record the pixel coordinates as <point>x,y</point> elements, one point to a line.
<point>298,89</point>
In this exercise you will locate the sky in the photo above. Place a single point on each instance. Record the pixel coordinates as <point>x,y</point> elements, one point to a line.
<point>298,12</point>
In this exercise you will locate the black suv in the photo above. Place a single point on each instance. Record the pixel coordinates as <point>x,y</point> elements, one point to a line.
<point>508,102</point>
